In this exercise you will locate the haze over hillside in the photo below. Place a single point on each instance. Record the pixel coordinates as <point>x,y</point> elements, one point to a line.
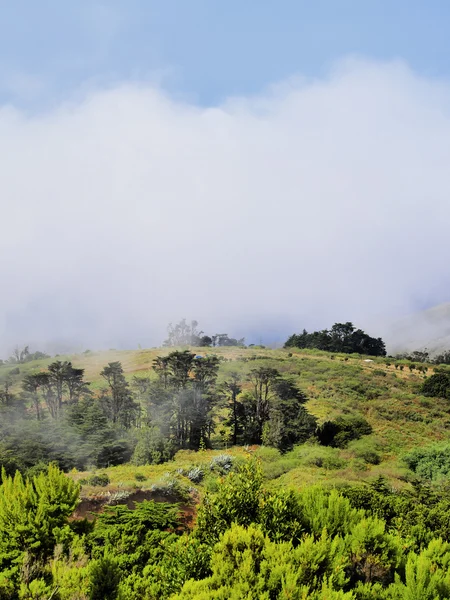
<point>427,329</point>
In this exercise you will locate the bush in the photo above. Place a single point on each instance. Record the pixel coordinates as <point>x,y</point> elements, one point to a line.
<point>319,456</point>
<point>275,469</point>
<point>105,578</point>
<point>101,480</point>
<point>140,477</point>
<point>366,450</point>
<point>195,474</point>
<point>432,462</point>
<point>172,487</point>
<point>437,385</point>
<point>267,454</point>
<point>342,430</point>
<point>222,461</point>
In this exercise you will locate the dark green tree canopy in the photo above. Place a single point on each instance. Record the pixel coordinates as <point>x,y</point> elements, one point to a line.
<point>342,337</point>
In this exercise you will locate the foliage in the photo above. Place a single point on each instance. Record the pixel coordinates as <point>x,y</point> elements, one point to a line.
<point>437,385</point>
<point>101,479</point>
<point>342,430</point>
<point>431,462</point>
<point>33,516</point>
<point>342,337</point>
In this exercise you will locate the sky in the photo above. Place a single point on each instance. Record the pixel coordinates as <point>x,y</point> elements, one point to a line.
<point>258,166</point>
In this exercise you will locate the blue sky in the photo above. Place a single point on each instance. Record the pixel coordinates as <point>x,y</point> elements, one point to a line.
<point>206,50</point>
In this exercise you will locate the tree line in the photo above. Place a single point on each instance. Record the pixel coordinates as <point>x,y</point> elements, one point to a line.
<point>23,355</point>
<point>342,337</point>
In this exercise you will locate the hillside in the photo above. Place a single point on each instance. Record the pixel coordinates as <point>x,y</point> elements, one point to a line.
<point>334,384</point>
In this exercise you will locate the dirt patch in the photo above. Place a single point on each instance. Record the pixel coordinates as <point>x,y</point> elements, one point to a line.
<point>88,508</point>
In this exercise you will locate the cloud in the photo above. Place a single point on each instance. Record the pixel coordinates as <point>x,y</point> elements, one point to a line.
<point>314,202</point>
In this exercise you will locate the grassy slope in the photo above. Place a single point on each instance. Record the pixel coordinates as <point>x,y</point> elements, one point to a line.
<point>335,384</point>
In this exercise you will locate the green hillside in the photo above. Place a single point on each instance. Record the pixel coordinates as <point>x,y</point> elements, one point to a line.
<point>356,509</point>
<point>335,385</point>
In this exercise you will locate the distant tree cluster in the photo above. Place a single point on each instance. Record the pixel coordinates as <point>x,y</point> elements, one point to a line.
<point>418,356</point>
<point>423,356</point>
<point>188,334</point>
<point>23,355</point>
<point>342,337</point>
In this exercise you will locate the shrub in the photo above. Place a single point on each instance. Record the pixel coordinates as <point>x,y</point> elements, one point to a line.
<point>195,474</point>
<point>268,454</point>
<point>101,480</point>
<point>366,450</point>
<point>342,430</point>
<point>320,456</point>
<point>140,477</point>
<point>432,462</point>
<point>172,487</point>
<point>222,461</point>
<point>32,514</point>
<point>104,578</point>
<point>237,501</point>
<point>275,469</point>
<point>437,385</point>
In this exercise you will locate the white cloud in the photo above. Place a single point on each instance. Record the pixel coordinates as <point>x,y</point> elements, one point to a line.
<point>315,202</point>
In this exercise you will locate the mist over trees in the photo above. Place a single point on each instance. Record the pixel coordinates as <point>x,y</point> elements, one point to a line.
<point>342,337</point>
<point>56,416</point>
<point>188,334</point>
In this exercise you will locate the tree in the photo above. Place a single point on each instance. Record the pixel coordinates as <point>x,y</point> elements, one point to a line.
<point>443,358</point>
<point>233,388</point>
<point>263,381</point>
<point>118,400</point>
<point>189,389</point>
<point>20,356</point>
<point>289,423</point>
<point>222,339</point>
<point>183,334</point>
<point>343,337</point>
<point>437,385</point>
<point>31,385</point>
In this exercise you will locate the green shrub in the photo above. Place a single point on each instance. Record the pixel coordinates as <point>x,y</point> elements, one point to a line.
<point>100,479</point>
<point>319,456</point>
<point>33,515</point>
<point>437,385</point>
<point>342,430</point>
<point>272,470</point>
<point>104,578</point>
<point>431,462</point>
<point>366,450</point>
<point>222,463</point>
<point>171,487</point>
<point>195,474</point>
<point>140,477</point>
<point>267,454</point>
<point>237,501</point>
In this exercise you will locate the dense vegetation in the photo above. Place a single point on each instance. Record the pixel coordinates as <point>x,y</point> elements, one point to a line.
<point>345,493</point>
<point>363,542</point>
<point>342,337</point>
